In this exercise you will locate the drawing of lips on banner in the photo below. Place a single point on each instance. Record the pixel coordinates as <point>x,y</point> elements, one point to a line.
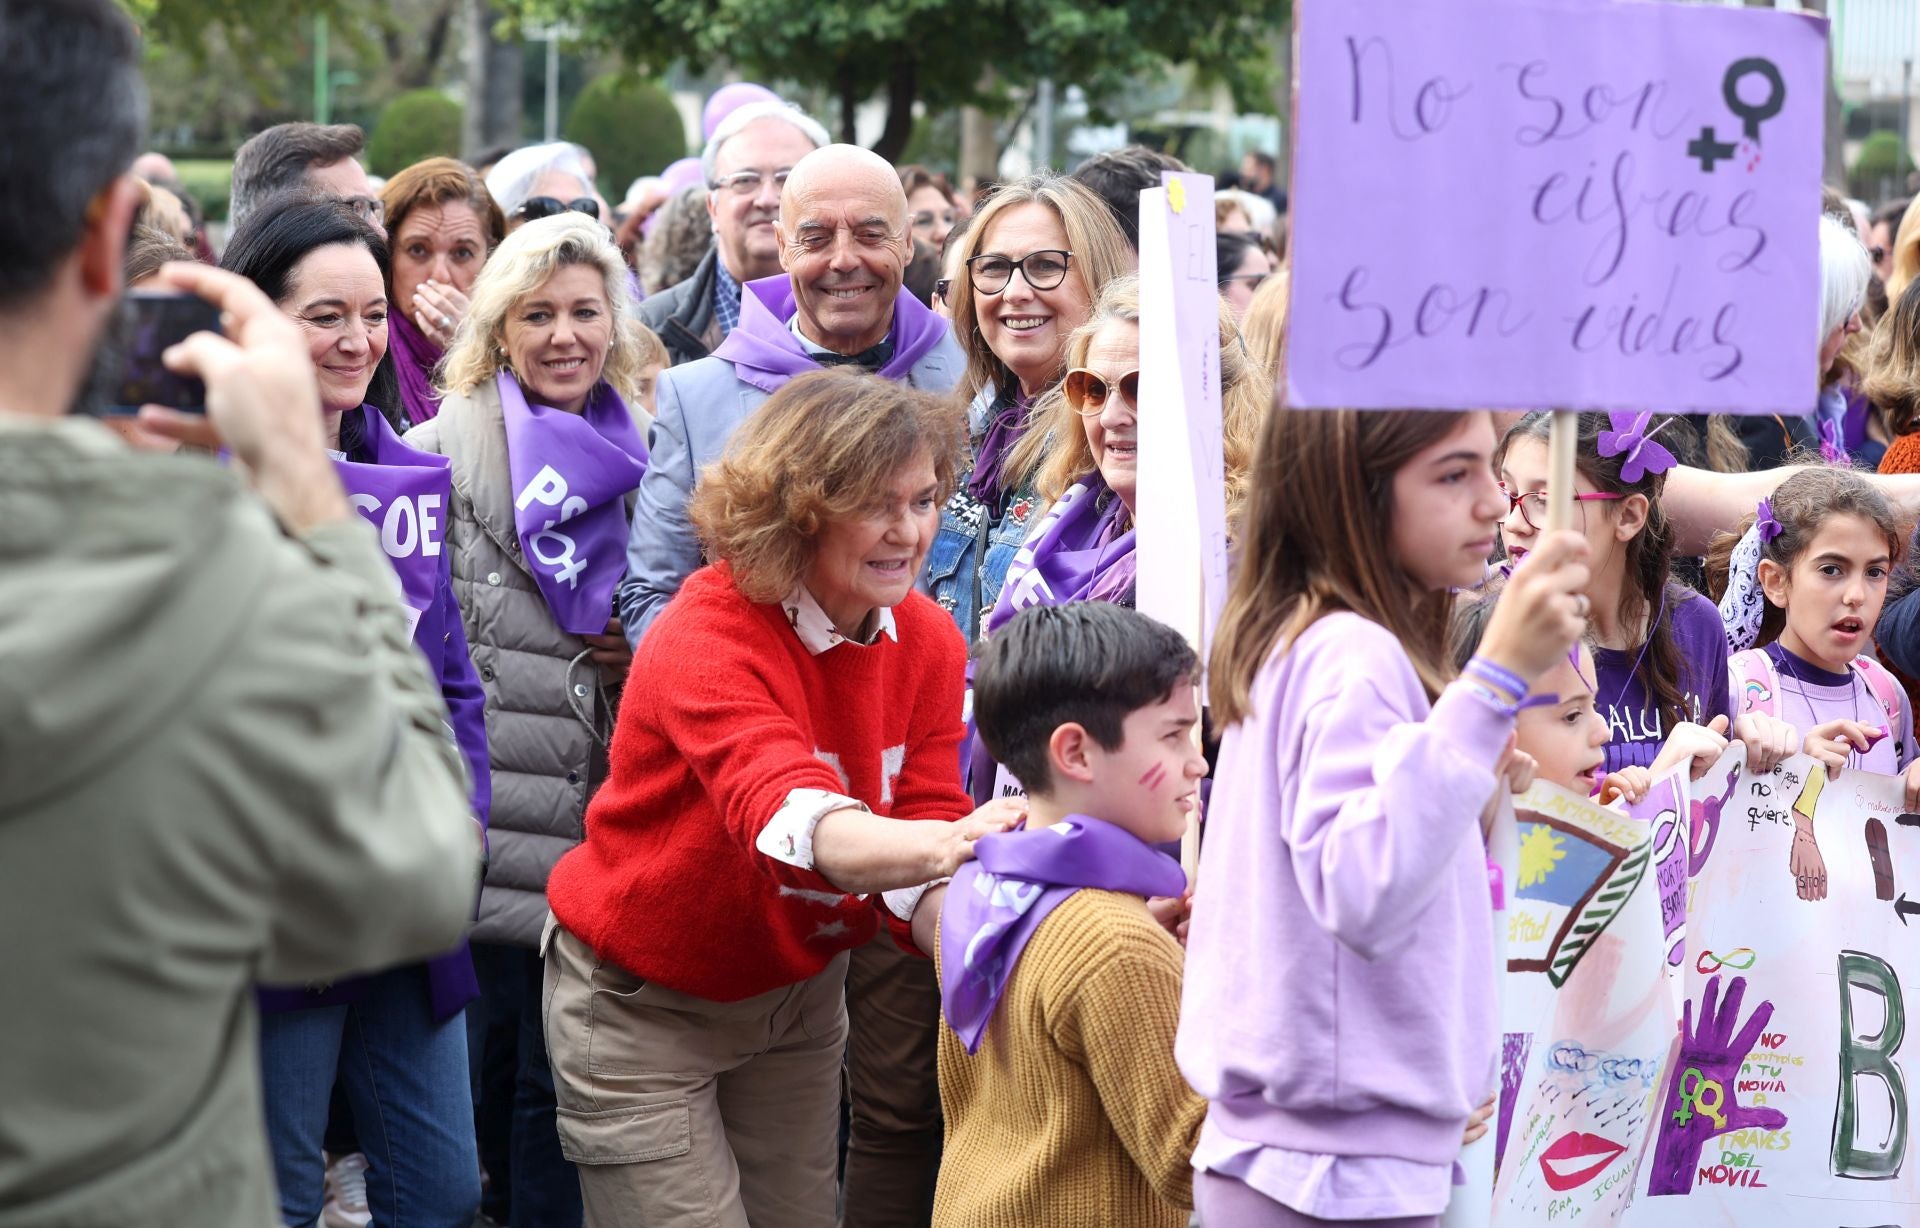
<point>1575,1159</point>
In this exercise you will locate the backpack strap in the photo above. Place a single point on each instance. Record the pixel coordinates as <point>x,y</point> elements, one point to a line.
<point>1754,682</point>
<point>1884,688</point>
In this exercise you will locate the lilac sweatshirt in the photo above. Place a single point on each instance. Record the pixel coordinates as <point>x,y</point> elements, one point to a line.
<point>1339,993</point>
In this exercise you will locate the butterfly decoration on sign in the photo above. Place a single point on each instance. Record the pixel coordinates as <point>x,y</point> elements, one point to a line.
<point>1631,437</point>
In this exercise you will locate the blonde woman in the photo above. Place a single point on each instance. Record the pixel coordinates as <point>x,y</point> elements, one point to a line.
<point>1083,449</point>
<point>1034,258</point>
<point>546,452</point>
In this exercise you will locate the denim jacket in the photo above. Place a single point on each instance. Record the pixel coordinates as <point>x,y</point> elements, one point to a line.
<point>975,545</point>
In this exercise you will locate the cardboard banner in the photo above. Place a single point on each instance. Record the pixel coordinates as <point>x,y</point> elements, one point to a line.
<point>1562,204</point>
<point>1589,1013</point>
<point>1705,1004</point>
<point>1182,534</point>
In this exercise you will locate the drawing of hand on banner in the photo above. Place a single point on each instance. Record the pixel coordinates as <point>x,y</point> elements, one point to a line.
<point>1700,1103</point>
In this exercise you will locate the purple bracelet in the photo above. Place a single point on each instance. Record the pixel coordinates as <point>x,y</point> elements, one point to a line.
<point>1498,676</point>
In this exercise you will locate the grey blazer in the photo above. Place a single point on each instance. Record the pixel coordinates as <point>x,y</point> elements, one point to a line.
<point>699,406</point>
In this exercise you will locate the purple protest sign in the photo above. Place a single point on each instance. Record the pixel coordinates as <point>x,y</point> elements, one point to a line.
<point>403,494</point>
<point>1546,204</point>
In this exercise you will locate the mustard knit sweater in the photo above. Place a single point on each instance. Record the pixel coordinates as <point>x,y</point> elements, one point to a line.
<point>1073,1113</point>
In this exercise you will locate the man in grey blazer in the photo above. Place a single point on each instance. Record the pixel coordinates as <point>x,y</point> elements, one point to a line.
<point>844,244</point>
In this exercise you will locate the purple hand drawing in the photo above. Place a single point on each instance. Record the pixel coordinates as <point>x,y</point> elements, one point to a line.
<point>1700,1101</point>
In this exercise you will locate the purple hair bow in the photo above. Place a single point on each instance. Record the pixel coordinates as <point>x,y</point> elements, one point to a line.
<point>1764,523</point>
<point>1631,437</point>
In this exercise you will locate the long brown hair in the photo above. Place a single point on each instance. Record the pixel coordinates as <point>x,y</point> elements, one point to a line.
<point>1649,592</point>
<point>1318,538</point>
<point>1803,504</point>
<point>1893,367</point>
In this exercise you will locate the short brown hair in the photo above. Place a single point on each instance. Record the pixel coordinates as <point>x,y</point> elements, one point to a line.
<point>814,453</point>
<point>440,181</point>
<point>649,350</point>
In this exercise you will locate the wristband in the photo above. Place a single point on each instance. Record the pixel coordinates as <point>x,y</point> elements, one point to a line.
<point>1498,676</point>
<point>1488,696</point>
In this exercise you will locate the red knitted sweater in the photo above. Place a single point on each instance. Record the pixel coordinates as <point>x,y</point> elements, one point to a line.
<point>725,714</point>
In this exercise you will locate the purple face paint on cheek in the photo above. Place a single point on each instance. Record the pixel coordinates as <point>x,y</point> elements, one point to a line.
<point>1155,776</point>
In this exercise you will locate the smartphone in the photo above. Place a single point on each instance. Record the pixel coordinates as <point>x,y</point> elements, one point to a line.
<point>156,320</point>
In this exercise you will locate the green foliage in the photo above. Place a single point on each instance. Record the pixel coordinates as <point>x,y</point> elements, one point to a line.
<point>1883,163</point>
<point>209,182</point>
<point>631,127</point>
<point>934,51</point>
<point>418,124</point>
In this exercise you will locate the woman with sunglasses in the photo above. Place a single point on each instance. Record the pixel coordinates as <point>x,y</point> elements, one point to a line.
<point>443,223</point>
<point>1242,264</point>
<point>1032,261</point>
<point>1082,547</point>
<point>544,181</point>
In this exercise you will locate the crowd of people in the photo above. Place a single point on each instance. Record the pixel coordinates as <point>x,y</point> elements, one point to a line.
<point>634,715</point>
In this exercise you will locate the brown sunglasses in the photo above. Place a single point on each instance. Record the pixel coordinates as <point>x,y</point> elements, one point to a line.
<point>1087,391</point>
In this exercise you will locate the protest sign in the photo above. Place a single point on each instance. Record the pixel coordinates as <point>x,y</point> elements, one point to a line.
<point>1787,1102</point>
<point>1587,1013</point>
<point>1547,204</point>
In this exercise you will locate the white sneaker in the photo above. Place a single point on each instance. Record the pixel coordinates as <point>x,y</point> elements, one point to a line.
<point>346,1193</point>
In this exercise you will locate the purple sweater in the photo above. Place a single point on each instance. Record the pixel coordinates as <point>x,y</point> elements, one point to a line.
<point>1340,983</point>
<point>1620,695</point>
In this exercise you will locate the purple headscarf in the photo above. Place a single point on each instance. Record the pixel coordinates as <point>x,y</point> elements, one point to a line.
<point>571,475</point>
<point>998,900</point>
<point>765,353</point>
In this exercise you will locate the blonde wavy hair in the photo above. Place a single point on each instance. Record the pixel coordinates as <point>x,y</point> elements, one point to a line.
<point>1099,254</point>
<point>1055,450</point>
<point>821,449</point>
<point>521,265</point>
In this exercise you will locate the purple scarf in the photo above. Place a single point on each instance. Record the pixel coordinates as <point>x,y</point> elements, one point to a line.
<point>414,358</point>
<point>1000,898</point>
<point>571,475</point>
<point>1004,428</point>
<point>403,493</point>
<point>1078,552</point>
<point>765,353</point>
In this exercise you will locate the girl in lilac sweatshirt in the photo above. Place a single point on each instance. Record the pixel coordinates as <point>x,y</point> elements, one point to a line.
<point>1339,1013</point>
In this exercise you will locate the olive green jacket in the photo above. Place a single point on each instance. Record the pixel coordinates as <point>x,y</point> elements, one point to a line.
<point>221,762</point>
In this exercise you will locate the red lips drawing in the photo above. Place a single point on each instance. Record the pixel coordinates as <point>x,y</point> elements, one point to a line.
<point>1575,1159</point>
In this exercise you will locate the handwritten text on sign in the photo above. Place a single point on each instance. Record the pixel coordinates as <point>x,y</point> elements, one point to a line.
<point>1541,203</point>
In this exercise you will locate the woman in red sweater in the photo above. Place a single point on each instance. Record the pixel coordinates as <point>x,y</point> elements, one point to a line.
<point>783,781</point>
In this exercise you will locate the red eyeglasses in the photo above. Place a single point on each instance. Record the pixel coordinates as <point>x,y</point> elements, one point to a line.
<point>1533,505</point>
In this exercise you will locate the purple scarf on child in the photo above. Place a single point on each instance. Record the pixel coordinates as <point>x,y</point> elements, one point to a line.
<point>765,353</point>
<point>1016,878</point>
<point>571,475</point>
<point>1078,552</point>
<point>403,493</point>
<point>414,358</point>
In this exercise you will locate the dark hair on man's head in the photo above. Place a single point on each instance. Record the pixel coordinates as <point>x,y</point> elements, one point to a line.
<point>1118,177</point>
<point>1088,663</point>
<point>1262,159</point>
<point>286,229</point>
<point>278,159</point>
<point>76,118</point>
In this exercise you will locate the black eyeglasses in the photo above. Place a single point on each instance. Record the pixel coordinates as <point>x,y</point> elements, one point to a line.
<point>941,287</point>
<point>1043,270</point>
<point>1253,280</point>
<point>536,207</point>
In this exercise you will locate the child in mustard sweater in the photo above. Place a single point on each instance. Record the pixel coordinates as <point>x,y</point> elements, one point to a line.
<point>1060,991</point>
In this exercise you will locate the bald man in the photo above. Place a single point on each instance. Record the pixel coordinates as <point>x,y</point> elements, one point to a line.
<point>844,246</point>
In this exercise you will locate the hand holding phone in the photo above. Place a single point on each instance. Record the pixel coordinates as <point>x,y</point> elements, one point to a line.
<point>160,319</point>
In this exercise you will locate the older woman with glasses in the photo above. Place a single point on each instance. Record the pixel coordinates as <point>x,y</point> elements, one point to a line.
<point>544,181</point>
<point>780,790</point>
<point>442,223</point>
<point>1032,261</point>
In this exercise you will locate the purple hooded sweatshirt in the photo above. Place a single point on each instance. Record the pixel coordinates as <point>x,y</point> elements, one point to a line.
<point>1340,994</point>
<point>765,353</point>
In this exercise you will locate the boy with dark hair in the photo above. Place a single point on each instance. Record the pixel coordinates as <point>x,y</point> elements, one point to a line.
<point>1060,993</point>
